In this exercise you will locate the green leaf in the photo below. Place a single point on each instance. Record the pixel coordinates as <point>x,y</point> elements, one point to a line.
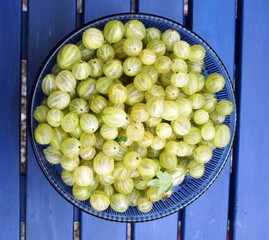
<point>122,139</point>
<point>168,176</point>
<point>164,189</point>
<point>154,183</point>
<point>164,182</point>
<point>160,175</point>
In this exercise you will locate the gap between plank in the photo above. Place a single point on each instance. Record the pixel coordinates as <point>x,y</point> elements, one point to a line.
<point>23,115</point>
<point>23,107</point>
<point>188,14</point>
<point>134,6</point>
<point>179,230</point>
<point>76,231</point>
<point>22,237</point>
<point>23,103</point>
<point>76,220</point>
<point>22,206</point>
<point>25,5</point>
<point>79,6</point>
<point>129,231</point>
<point>237,77</point>
<point>79,12</point>
<point>186,7</point>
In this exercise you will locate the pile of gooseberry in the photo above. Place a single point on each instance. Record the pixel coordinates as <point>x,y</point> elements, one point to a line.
<point>128,112</point>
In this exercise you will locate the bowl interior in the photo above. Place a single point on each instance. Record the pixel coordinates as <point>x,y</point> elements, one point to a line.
<point>191,188</point>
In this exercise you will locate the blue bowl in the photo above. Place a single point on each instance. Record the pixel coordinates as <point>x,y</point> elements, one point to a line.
<point>191,188</point>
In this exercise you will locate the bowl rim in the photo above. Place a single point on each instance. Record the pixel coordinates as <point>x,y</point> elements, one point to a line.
<point>30,120</point>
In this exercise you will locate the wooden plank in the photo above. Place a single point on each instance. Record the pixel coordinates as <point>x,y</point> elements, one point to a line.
<point>161,229</point>
<point>103,8</point>
<point>98,229</point>
<point>49,216</point>
<point>172,9</point>
<point>10,28</point>
<point>251,186</point>
<point>92,227</point>
<point>208,20</point>
<point>207,217</point>
<point>155,229</point>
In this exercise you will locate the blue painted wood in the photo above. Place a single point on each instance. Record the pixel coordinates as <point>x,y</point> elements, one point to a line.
<point>98,229</point>
<point>161,229</point>
<point>155,230</point>
<point>251,186</point>
<point>92,227</point>
<point>214,21</point>
<point>207,217</point>
<point>49,216</point>
<point>10,65</point>
<point>172,9</point>
<point>103,8</point>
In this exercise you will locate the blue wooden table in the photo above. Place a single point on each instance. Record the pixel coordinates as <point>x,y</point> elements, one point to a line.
<point>236,206</point>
